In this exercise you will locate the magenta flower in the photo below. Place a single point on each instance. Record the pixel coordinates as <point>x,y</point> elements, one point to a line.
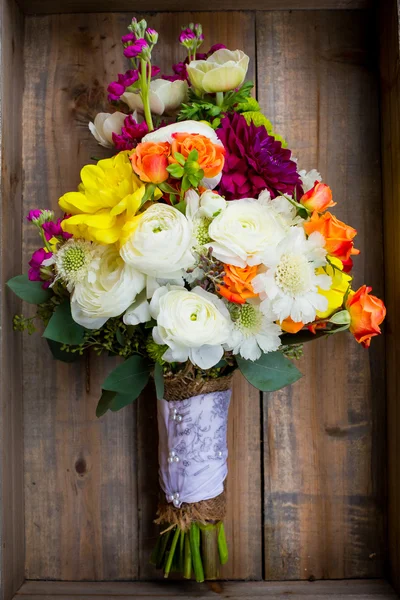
<point>117,88</point>
<point>52,229</point>
<point>129,37</point>
<point>34,214</point>
<point>186,35</point>
<point>36,262</point>
<point>254,161</point>
<point>136,48</point>
<point>131,134</point>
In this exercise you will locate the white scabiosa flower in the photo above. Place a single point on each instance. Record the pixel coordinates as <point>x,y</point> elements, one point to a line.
<point>160,244</point>
<point>74,262</point>
<point>109,288</point>
<point>104,125</point>
<point>309,178</point>
<point>291,283</point>
<point>193,324</point>
<point>253,333</point>
<point>242,233</point>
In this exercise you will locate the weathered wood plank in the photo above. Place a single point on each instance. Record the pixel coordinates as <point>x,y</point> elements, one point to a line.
<point>319,590</point>
<point>324,437</point>
<point>390,114</point>
<point>80,473</point>
<point>11,432</point>
<point>89,6</point>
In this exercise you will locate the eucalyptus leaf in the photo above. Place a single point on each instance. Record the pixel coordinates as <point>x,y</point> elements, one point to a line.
<point>159,380</point>
<point>30,291</point>
<point>130,377</point>
<point>105,402</point>
<point>269,373</point>
<point>121,400</point>
<point>62,328</point>
<point>62,355</point>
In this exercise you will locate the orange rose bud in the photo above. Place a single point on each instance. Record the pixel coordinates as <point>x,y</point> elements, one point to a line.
<point>317,325</point>
<point>291,326</point>
<point>366,314</point>
<point>211,156</point>
<point>338,236</point>
<point>150,161</point>
<point>237,282</point>
<point>319,198</point>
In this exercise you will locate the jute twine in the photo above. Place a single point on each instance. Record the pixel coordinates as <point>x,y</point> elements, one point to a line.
<point>179,388</point>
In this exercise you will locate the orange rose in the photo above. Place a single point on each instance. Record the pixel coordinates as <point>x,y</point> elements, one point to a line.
<point>150,161</point>
<point>338,236</point>
<point>291,326</point>
<point>366,314</point>
<point>237,282</point>
<point>211,157</point>
<point>313,327</point>
<point>319,198</point>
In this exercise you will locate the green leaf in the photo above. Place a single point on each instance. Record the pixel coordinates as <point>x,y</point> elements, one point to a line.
<point>159,380</point>
<point>30,291</point>
<point>193,156</point>
<point>181,206</point>
<point>176,171</point>
<point>165,187</point>
<point>62,328</point>
<point>269,373</point>
<point>130,377</point>
<point>120,337</point>
<point>303,336</point>
<point>63,355</point>
<point>180,158</point>
<point>148,194</point>
<point>121,400</point>
<point>104,402</point>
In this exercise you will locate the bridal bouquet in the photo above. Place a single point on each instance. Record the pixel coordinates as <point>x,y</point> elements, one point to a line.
<point>197,248</point>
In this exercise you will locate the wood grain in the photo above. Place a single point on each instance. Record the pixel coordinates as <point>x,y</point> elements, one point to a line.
<point>11,432</point>
<point>390,114</point>
<point>107,513</point>
<point>324,437</point>
<point>319,590</point>
<point>89,6</point>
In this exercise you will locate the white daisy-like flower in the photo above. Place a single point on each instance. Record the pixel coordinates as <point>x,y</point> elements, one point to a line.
<point>74,261</point>
<point>290,282</point>
<point>308,179</point>
<point>253,333</point>
<point>282,206</point>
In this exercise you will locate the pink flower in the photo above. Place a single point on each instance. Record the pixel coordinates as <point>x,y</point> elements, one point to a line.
<point>52,229</point>
<point>34,214</point>
<point>35,263</point>
<point>136,48</point>
<point>131,134</point>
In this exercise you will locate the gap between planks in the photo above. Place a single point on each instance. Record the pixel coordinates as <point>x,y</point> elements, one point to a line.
<point>304,590</point>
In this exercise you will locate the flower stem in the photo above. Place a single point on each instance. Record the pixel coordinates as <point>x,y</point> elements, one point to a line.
<point>171,553</point>
<point>145,91</point>
<point>187,559</point>
<point>222,545</point>
<point>219,98</point>
<point>194,536</point>
<point>209,550</point>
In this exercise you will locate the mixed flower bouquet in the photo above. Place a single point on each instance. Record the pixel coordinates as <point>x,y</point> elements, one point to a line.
<point>197,248</point>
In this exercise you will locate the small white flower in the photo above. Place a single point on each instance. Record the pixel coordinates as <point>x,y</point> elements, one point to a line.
<point>308,179</point>
<point>165,97</point>
<point>291,283</point>
<point>242,233</point>
<point>193,324</point>
<point>139,311</point>
<point>74,261</point>
<point>104,125</point>
<point>253,333</point>
<point>282,206</point>
<point>224,70</point>
<point>108,289</point>
<point>160,245</point>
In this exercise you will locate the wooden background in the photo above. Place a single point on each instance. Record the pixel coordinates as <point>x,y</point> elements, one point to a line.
<point>306,464</point>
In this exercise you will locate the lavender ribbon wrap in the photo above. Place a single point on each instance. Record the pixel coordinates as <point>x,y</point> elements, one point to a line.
<point>192,447</point>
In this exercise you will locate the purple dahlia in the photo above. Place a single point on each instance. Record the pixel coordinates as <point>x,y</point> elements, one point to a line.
<point>254,161</point>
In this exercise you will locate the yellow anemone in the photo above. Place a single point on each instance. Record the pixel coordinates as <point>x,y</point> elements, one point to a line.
<point>109,195</point>
<point>340,285</point>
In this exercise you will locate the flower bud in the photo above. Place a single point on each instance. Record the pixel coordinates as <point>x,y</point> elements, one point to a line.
<point>151,36</point>
<point>341,318</point>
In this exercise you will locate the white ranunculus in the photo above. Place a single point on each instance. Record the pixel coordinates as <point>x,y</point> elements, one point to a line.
<point>165,96</point>
<point>224,70</point>
<point>105,124</point>
<point>160,245</point>
<point>109,289</point>
<point>139,311</point>
<point>243,232</point>
<point>209,204</point>
<point>165,134</point>
<point>193,324</point>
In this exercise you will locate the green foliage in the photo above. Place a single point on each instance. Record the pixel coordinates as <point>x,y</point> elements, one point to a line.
<point>59,354</point>
<point>188,170</point>
<point>130,377</point>
<point>205,108</point>
<point>62,328</point>
<point>30,291</point>
<point>269,373</point>
<point>21,323</point>
<point>294,351</point>
<point>159,380</point>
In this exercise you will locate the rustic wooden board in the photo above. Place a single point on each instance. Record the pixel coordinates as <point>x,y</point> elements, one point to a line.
<point>97,524</point>
<point>319,590</point>
<point>88,6</point>
<point>11,432</point>
<point>324,438</point>
<point>390,113</point>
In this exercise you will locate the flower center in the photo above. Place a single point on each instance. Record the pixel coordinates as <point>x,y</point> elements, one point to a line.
<point>73,259</point>
<point>193,317</point>
<point>293,274</point>
<point>249,318</point>
<point>201,231</point>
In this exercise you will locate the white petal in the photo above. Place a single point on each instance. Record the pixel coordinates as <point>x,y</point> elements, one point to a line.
<point>206,356</point>
<point>113,124</point>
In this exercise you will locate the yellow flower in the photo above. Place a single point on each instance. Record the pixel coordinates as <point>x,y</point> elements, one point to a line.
<point>338,289</point>
<point>109,195</point>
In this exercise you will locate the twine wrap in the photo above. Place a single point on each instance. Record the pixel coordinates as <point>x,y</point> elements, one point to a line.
<point>193,450</point>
